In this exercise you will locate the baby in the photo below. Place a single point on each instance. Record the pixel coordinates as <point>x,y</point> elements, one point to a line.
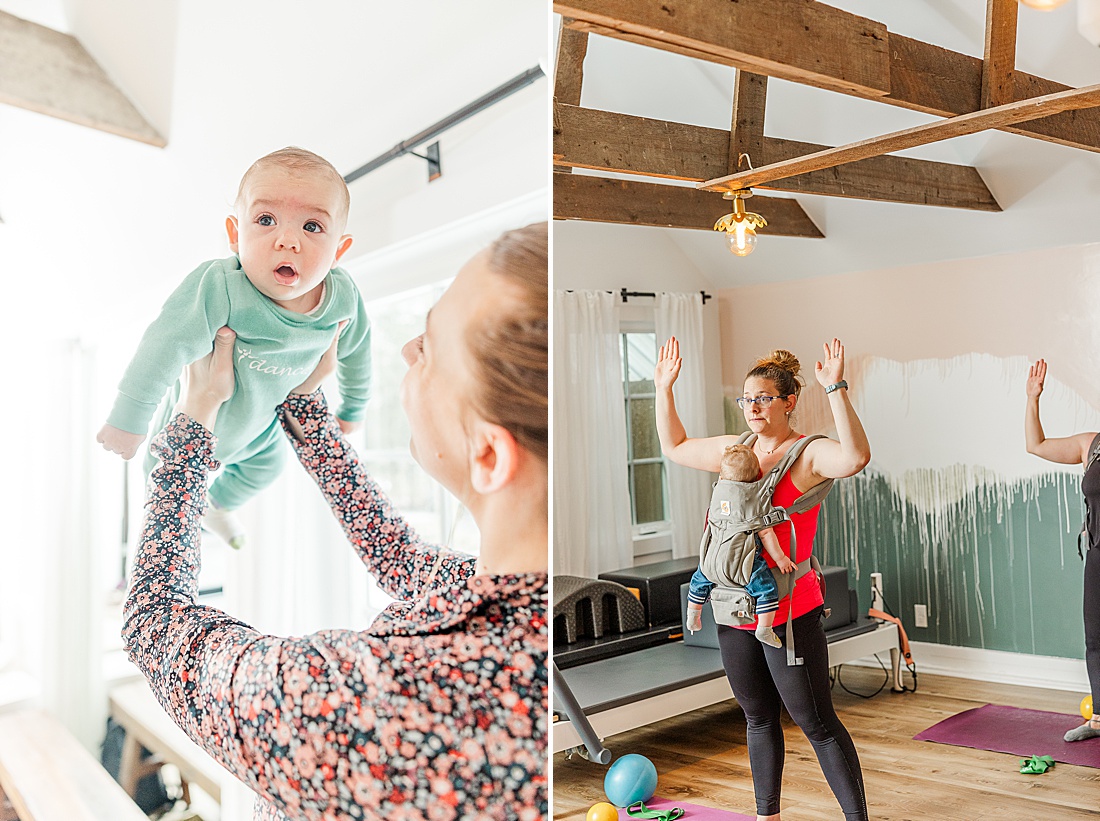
<point>284,299</point>
<point>739,464</point>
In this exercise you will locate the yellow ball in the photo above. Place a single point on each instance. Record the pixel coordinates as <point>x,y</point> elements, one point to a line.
<point>602,812</point>
<point>1086,707</point>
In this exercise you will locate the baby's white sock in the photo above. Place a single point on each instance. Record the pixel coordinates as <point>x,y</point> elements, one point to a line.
<point>768,636</point>
<point>225,524</point>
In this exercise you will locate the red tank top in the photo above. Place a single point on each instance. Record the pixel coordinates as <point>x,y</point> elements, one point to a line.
<point>807,592</point>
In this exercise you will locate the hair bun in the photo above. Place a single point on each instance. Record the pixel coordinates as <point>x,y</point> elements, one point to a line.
<point>783,360</point>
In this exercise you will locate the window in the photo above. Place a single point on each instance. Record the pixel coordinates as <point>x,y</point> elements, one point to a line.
<point>645,464</point>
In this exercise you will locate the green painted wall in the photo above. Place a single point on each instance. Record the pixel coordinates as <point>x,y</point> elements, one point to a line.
<point>998,567</point>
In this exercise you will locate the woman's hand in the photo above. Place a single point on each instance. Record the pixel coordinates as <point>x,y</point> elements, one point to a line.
<point>831,370</point>
<point>1036,376</point>
<point>668,365</point>
<point>209,381</point>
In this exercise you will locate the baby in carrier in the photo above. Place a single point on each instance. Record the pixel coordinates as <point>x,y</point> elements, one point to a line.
<point>739,464</point>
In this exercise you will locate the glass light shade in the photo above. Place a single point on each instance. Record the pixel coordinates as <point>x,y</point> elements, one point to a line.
<point>1043,5</point>
<point>742,242</point>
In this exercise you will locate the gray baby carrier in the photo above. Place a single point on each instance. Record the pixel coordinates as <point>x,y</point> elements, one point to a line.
<point>737,511</point>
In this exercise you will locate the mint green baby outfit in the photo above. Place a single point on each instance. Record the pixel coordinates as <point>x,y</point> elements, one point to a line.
<point>274,352</point>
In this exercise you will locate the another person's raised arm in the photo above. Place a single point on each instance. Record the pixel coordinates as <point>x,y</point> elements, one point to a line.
<point>1067,450</point>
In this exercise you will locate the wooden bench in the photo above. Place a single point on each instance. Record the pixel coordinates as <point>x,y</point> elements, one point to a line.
<point>135,707</point>
<point>47,775</point>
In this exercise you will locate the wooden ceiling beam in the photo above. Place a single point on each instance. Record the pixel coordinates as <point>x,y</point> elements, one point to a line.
<point>999,61</point>
<point>750,95</point>
<point>799,40</point>
<point>631,202</point>
<point>49,72</point>
<point>960,126</point>
<point>921,76</point>
<point>607,141</point>
<point>569,66</point>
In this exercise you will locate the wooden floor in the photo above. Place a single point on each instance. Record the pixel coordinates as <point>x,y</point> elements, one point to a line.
<point>701,759</point>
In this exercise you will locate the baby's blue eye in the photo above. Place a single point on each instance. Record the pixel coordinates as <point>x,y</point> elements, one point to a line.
<point>313,227</point>
<point>266,219</point>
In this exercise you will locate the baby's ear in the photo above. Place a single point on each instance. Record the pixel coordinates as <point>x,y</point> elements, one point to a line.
<point>342,247</point>
<point>231,230</point>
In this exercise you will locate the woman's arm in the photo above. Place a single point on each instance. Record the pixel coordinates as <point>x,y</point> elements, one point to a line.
<point>850,452</point>
<point>392,551</point>
<point>702,454</point>
<point>1068,450</point>
<point>387,544</point>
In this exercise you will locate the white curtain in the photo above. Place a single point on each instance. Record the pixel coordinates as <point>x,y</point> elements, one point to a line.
<point>52,597</point>
<point>681,315</point>
<point>592,529</point>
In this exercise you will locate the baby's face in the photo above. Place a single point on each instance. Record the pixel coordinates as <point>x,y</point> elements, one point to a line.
<point>289,234</point>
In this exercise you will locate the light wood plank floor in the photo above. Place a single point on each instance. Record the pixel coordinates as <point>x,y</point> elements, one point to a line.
<point>701,758</point>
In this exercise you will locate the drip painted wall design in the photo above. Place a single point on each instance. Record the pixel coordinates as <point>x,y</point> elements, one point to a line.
<point>952,509</point>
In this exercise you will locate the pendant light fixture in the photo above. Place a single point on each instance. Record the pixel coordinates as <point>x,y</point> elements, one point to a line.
<point>741,225</point>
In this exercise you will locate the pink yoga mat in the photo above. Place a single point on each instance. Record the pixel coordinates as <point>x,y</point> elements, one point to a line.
<point>1014,730</point>
<point>692,812</point>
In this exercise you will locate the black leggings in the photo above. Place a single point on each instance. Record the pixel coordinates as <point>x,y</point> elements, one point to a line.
<point>762,681</point>
<point>1092,622</point>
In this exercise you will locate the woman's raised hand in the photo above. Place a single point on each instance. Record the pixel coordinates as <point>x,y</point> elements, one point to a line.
<point>1036,376</point>
<point>209,381</point>
<point>668,364</point>
<point>831,370</point>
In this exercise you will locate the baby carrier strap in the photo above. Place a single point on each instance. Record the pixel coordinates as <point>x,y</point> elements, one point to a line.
<point>811,498</point>
<point>1094,454</point>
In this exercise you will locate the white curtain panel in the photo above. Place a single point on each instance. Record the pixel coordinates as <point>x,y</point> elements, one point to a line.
<point>681,315</point>
<point>592,529</point>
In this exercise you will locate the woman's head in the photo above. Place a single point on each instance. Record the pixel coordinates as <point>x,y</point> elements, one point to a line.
<point>476,390</point>
<point>774,375</point>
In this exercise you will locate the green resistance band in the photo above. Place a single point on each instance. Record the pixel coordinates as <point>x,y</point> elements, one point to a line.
<point>640,810</point>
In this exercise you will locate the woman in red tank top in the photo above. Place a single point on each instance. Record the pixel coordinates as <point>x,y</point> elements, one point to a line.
<point>758,674</point>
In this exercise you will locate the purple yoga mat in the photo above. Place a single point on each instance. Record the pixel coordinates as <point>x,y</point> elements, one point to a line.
<point>692,812</point>
<point>1019,732</point>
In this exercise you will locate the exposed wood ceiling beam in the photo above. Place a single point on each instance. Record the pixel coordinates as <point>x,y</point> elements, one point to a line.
<point>49,72</point>
<point>569,71</point>
<point>750,95</point>
<point>921,76</point>
<point>607,141</point>
<point>999,62</point>
<point>799,40</point>
<point>630,202</point>
<point>1016,112</point>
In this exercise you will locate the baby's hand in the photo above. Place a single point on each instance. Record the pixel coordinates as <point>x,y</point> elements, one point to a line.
<point>348,427</point>
<point>694,617</point>
<point>786,566</point>
<point>119,441</point>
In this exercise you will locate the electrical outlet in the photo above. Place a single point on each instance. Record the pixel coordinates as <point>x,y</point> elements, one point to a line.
<point>920,615</point>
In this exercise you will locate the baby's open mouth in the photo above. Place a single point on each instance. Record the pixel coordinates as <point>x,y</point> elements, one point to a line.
<point>285,275</point>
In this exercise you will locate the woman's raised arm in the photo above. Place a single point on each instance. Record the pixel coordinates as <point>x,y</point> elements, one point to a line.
<point>850,452</point>
<point>702,454</point>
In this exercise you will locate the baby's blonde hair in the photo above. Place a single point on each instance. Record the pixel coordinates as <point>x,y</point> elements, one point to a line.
<point>301,161</point>
<point>739,464</point>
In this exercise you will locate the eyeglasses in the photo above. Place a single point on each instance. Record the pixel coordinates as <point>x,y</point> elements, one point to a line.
<point>762,401</point>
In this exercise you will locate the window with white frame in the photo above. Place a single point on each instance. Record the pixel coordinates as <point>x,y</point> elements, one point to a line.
<point>645,464</point>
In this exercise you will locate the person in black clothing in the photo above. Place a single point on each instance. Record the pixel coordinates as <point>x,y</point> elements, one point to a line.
<point>1078,449</point>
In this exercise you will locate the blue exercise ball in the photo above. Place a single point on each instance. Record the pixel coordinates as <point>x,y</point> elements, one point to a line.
<point>630,779</point>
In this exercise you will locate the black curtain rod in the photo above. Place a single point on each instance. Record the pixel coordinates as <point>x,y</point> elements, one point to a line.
<point>627,294</point>
<point>480,104</point>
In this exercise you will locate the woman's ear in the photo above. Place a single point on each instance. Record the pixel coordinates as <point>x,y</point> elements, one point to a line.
<point>494,458</point>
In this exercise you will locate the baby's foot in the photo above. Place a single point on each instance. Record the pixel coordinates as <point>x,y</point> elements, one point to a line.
<point>768,636</point>
<point>1081,733</point>
<point>224,523</point>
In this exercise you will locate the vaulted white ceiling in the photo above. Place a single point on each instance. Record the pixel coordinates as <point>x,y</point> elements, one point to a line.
<point>1049,193</point>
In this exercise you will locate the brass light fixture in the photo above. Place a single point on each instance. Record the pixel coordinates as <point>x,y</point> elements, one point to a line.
<point>1043,5</point>
<point>741,225</point>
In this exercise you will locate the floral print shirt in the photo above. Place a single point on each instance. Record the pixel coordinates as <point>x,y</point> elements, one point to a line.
<point>437,711</point>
